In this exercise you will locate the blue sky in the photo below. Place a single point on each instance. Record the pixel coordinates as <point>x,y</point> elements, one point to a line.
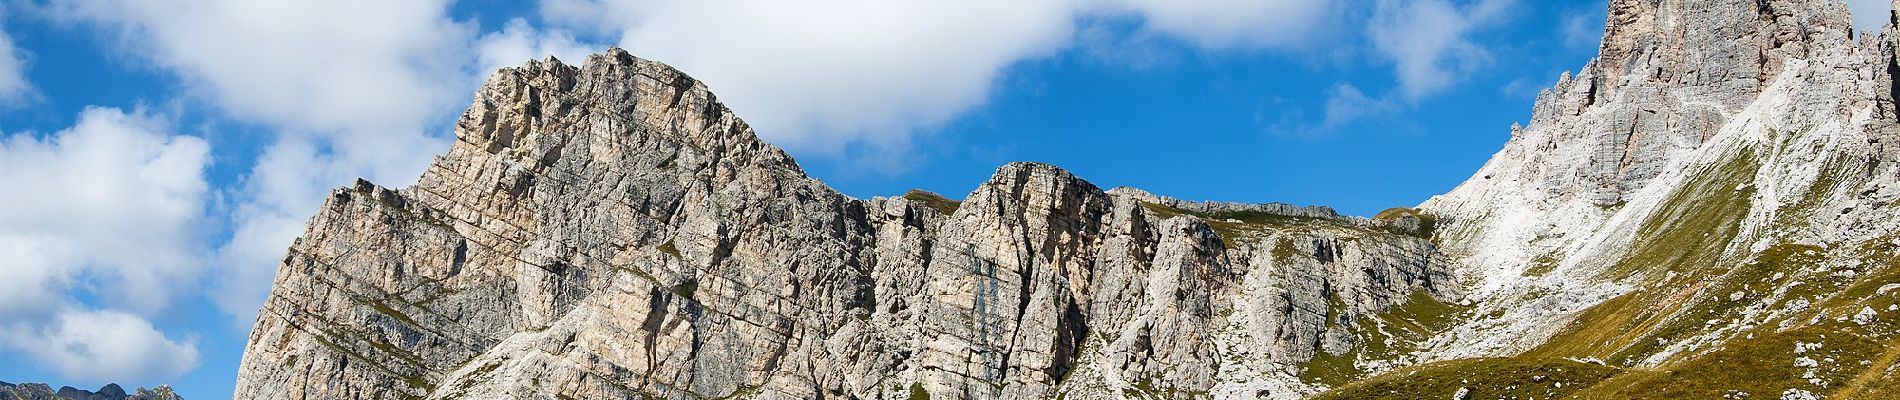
<point>158,156</point>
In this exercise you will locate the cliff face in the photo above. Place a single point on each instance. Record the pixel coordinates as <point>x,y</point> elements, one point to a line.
<point>1713,195</point>
<point>1716,187</point>
<point>612,231</point>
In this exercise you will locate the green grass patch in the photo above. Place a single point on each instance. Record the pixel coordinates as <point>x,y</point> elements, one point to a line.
<point>1600,330</point>
<point>1825,185</point>
<point>1427,223</point>
<point>1333,369</point>
<point>917,391</point>
<point>1485,378</point>
<point>1763,366</point>
<point>1147,386</point>
<point>1284,250</point>
<point>1384,336</point>
<point>670,249</point>
<point>686,288</point>
<point>1422,316</point>
<point>934,201</point>
<point>1687,235</point>
<point>1697,222</point>
<point>1543,265</point>
<point>1243,226</point>
<point>1722,301</point>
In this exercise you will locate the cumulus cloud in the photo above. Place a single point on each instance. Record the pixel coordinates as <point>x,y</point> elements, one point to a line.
<point>108,209</point>
<point>13,84</point>
<point>519,42</point>
<point>818,74</point>
<point>324,67</point>
<point>1345,105</point>
<point>102,346</point>
<point>1584,28</point>
<point>350,87</point>
<point>1239,23</point>
<point>1870,15</point>
<point>824,74</point>
<point>110,205</point>
<point>1428,40</point>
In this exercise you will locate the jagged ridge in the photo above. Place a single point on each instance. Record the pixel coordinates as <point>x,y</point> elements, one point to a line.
<point>611,230</point>
<point>1711,197</point>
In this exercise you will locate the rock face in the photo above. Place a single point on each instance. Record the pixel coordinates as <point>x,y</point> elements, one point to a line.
<point>1716,189</point>
<point>1719,184</point>
<point>111,391</point>
<point>611,230</point>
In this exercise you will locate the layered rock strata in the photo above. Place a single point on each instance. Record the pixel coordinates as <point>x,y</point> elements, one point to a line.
<point>611,230</point>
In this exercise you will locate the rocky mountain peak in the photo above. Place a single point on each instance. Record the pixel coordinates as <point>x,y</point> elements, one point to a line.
<point>1671,76</point>
<point>667,109</point>
<point>1731,46</point>
<point>1707,199</point>
<point>611,230</point>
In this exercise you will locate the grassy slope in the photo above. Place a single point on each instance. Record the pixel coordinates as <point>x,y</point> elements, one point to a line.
<point>1716,312</point>
<point>934,201</point>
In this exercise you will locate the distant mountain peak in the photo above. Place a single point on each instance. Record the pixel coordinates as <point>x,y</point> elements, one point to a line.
<point>111,391</point>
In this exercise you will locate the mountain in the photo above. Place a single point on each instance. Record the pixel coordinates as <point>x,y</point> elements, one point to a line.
<point>1704,211</point>
<point>111,391</point>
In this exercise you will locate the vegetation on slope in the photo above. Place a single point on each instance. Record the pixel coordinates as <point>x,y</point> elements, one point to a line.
<point>1427,223</point>
<point>1245,226</point>
<point>1789,320</point>
<point>1389,335</point>
<point>1695,223</point>
<point>934,201</point>
<point>1486,378</point>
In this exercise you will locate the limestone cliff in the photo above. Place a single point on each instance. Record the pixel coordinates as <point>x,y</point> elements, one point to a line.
<point>1713,197</point>
<point>611,230</point>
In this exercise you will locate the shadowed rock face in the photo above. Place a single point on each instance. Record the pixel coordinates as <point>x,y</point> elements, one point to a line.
<point>611,230</point>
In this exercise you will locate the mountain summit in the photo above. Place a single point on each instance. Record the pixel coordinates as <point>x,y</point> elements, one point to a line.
<point>1704,211</point>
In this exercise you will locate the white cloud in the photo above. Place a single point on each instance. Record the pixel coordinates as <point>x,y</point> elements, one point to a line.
<point>108,208</point>
<point>321,67</point>
<point>288,183</point>
<point>821,74</point>
<point>519,42</point>
<point>1584,29</point>
<point>110,205</point>
<point>1870,15</point>
<point>1427,41</point>
<point>1345,105</point>
<point>828,73</point>
<point>102,346</point>
<point>351,87</point>
<point>1239,23</point>
<point>13,84</point>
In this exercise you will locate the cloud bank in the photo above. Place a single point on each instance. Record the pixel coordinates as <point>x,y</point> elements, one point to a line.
<point>344,92</point>
<point>828,73</point>
<point>108,209</point>
<point>1428,40</point>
